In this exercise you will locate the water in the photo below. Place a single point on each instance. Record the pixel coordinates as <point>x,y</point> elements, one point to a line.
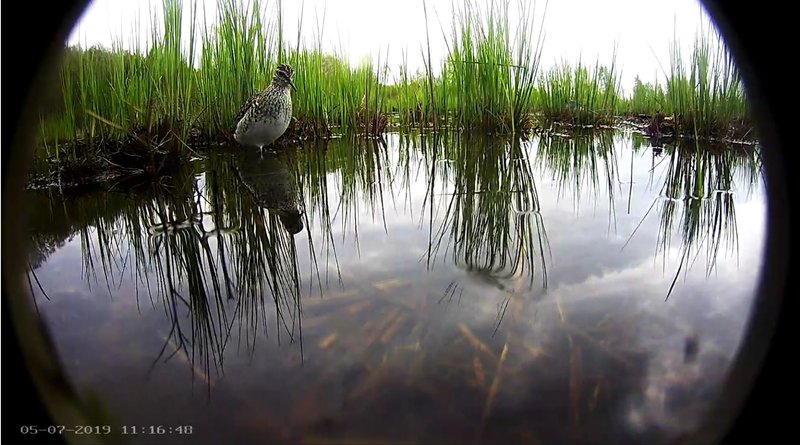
<point>581,289</point>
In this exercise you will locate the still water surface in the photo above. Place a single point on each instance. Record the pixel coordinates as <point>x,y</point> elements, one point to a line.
<point>586,289</point>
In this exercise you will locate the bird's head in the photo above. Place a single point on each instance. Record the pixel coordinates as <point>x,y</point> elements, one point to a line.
<point>292,220</point>
<point>283,76</point>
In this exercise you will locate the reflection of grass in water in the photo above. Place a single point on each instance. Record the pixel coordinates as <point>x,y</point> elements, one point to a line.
<point>697,191</point>
<point>177,258</point>
<point>698,195</point>
<point>406,170</point>
<point>362,171</point>
<point>311,176</point>
<point>703,182</point>
<point>184,260</point>
<point>484,194</point>
<point>492,214</point>
<point>578,160</point>
<point>261,253</point>
<point>163,240</point>
<point>358,170</point>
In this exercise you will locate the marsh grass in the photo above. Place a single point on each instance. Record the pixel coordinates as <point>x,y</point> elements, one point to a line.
<point>705,93</point>
<point>408,98</point>
<point>235,62</point>
<point>581,96</point>
<point>124,111</point>
<point>191,82</point>
<point>338,98</point>
<point>141,111</point>
<point>488,76</point>
<point>646,99</point>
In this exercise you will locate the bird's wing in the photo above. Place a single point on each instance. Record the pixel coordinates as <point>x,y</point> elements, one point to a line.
<point>243,110</point>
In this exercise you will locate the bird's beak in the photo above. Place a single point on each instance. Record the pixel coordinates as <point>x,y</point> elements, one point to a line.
<point>291,84</point>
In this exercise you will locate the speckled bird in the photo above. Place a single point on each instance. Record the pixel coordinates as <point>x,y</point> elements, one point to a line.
<point>264,117</point>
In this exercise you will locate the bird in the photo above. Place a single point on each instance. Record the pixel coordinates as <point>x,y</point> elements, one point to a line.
<point>264,117</point>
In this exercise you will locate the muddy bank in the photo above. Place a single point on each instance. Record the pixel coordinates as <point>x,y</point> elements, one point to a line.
<point>144,159</point>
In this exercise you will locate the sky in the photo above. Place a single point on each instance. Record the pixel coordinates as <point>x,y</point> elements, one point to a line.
<point>642,30</point>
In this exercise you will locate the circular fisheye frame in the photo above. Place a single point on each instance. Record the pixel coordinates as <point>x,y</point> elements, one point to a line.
<point>477,222</point>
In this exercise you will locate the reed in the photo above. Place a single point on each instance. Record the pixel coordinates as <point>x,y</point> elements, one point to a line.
<point>235,62</point>
<point>581,96</point>
<point>489,74</point>
<point>136,108</point>
<point>705,93</point>
<point>646,99</point>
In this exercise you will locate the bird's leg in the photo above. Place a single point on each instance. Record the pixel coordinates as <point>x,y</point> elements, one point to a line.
<point>261,151</point>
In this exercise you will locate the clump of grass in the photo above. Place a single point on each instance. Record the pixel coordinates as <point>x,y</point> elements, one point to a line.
<point>140,111</point>
<point>647,99</point>
<point>235,62</point>
<point>406,98</point>
<point>116,99</point>
<point>578,96</point>
<point>337,98</point>
<point>705,94</point>
<point>239,58</point>
<point>144,106</point>
<point>489,75</point>
<point>371,116</point>
<point>313,106</point>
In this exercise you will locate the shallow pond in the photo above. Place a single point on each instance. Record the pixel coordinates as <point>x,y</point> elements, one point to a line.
<point>584,289</point>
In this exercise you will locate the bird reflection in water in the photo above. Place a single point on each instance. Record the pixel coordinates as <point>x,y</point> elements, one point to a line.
<point>269,180</point>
